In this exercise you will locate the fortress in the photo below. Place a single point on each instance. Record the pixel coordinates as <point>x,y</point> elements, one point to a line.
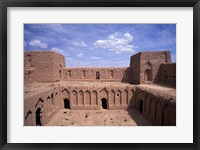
<point>148,85</point>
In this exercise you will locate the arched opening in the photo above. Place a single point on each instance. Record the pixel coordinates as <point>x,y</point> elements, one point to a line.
<point>104,103</point>
<point>60,74</point>
<point>97,75</point>
<point>147,75</point>
<point>141,106</point>
<point>38,117</point>
<point>66,103</point>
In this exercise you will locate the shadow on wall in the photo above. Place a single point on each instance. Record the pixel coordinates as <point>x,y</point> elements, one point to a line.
<point>166,74</point>
<point>127,75</point>
<point>160,111</point>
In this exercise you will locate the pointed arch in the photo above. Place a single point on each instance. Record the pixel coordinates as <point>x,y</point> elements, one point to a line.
<point>65,94</point>
<point>87,98</point>
<point>39,102</point>
<point>104,93</point>
<point>125,99</point>
<point>147,72</point>
<point>94,98</point>
<point>74,97</point>
<point>112,97</point>
<point>80,97</point>
<point>118,97</point>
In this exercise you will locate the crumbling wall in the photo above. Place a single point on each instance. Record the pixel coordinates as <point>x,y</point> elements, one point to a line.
<point>145,65</point>
<point>58,65</point>
<point>167,74</point>
<point>135,65</point>
<point>47,100</point>
<point>42,66</point>
<point>159,108</point>
<point>97,74</point>
<point>89,98</point>
<point>150,62</point>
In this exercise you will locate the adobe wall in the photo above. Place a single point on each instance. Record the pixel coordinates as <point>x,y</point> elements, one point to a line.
<point>42,66</point>
<point>90,74</point>
<point>49,102</point>
<point>58,65</point>
<point>135,65</point>
<point>146,66</point>
<point>158,108</point>
<point>151,61</point>
<point>167,73</point>
<point>89,98</point>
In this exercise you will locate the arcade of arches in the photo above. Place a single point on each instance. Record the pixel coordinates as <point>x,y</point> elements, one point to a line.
<point>132,95</point>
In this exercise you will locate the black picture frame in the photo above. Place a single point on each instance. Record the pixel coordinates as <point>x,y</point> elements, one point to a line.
<point>4,4</point>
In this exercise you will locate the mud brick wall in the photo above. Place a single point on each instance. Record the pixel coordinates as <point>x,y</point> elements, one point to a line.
<point>157,107</point>
<point>97,74</point>
<point>151,61</point>
<point>42,66</point>
<point>145,65</point>
<point>167,74</point>
<point>90,98</point>
<point>135,66</point>
<point>48,101</point>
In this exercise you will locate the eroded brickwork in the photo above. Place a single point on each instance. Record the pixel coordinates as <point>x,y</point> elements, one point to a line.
<point>50,86</point>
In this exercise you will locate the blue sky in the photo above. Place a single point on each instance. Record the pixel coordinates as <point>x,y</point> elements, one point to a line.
<point>100,45</point>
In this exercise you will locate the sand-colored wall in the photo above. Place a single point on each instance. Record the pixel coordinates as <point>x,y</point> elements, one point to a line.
<point>168,74</point>
<point>158,108</point>
<point>90,74</point>
<point>90,98</point>
<point>42,66</point>
<point>148,61</point>
<point>135,65</point>
<point>48,100</point>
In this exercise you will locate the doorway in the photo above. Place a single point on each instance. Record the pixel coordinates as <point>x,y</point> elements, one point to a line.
<point>66,103</point>
<point>104,103</point>
<point>141,106</point>
<point>38,117</point>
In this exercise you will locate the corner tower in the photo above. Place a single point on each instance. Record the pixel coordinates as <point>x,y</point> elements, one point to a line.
<point>145,66</point>
<point>43,66</point>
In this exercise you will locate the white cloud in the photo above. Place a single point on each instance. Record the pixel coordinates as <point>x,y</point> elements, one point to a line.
<point>95,58</point>
<point>56,49</point>
<point>80,55</point>
<point>37,43</point>
<point>69,58</point>
<point>81,44</point>
<point>117,42</point>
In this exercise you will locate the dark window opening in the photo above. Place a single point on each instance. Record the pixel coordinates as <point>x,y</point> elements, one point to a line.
<point>111,72</point>
<point>104,103</point>
<point>141,106</point>
<point>84,75</point>
<point>66,104</point>
<point>97,75</point>
<point>60,73</point>
<point>38,117</point>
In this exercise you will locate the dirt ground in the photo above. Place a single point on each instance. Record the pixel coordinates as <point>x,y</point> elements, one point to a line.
<point>67,117</point>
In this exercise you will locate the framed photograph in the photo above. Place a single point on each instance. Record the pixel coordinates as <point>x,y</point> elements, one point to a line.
<point>99,74</point>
